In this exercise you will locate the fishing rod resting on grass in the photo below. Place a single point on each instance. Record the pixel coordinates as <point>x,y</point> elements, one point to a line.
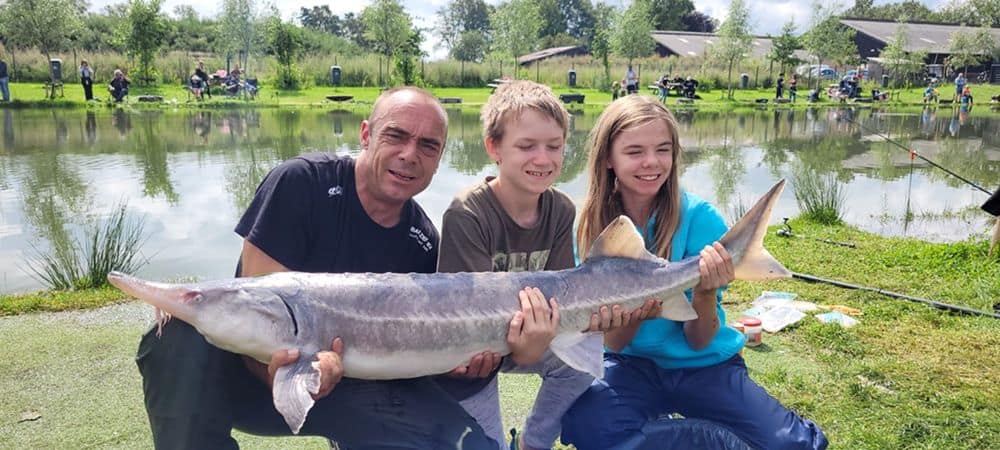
<point>939,305</point>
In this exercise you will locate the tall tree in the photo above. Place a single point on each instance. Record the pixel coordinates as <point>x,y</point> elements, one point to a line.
<point>46,24</point>
<point>516,25</point>
<point>984,13</point>
<point>784,46</point>
<point>239,32</point>
<point>632,36</point>
<point>699,22</point>
<point>353,29</point>
<point>900,62</point>
<point>605,17</point>
<point>553,21</point>
<point>463,26</point>
<point>320,18</point>
<point>827,39</point>
<point>387,27</point>
<point>970,48</point>
<point>668,14</point>
<point>579,15</point>
<point>143,31</point>
<point>734,39</point>
<point>284,41</point>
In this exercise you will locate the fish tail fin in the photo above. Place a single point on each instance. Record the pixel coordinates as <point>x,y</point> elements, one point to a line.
<point>745,241</point>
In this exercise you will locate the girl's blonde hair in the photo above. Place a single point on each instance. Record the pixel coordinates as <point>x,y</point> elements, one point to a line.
<point>604,202</point>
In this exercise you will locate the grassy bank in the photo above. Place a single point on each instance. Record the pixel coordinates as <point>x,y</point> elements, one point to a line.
<point>31,95</point>
<point>907,377</point>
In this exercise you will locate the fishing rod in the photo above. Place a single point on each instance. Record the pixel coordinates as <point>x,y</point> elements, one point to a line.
<point>991,206</point>
<point>786,231</point>
<point>934,303</point>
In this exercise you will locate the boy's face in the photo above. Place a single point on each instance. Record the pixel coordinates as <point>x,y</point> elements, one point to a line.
<point>530,154</point>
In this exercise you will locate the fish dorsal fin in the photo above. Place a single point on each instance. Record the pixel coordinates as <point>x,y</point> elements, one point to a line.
<point>620,239</point>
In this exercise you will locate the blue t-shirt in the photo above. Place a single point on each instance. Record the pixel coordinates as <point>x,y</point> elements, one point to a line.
<point>663,340</point>
<point>307,216</point>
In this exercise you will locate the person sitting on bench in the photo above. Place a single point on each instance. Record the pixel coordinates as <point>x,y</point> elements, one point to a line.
<point>690,86</point>
<point>119,86</point>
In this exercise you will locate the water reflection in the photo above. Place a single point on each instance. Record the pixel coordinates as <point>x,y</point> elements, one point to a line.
<point>191,173</point>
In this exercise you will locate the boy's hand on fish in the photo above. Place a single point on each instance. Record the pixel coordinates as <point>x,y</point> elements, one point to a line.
<point>533,327</point>
<point>480,366</point>
<point>329,364</point>
<point>716,268</point>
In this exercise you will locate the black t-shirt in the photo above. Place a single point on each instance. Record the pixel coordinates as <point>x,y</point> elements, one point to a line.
<point>307,216</point>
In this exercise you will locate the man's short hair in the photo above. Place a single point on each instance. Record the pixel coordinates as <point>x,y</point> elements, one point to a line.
<point>512,99</point>
<point>377,109</point>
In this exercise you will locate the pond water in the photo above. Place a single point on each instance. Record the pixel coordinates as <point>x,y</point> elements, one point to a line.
<point>190,174</point>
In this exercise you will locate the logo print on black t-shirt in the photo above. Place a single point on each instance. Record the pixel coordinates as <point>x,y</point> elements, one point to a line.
<point>422,240</point>
<point>336,190</point>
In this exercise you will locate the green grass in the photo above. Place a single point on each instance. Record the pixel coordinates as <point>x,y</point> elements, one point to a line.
<point>32,95</point>
<point>908,376</point>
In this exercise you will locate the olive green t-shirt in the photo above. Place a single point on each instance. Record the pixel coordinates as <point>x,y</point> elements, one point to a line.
<point>477,235</point>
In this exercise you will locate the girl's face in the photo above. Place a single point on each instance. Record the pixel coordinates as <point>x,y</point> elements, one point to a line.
<point>642,158</point>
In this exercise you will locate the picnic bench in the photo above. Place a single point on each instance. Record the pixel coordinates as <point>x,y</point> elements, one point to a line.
<point>449,100</point>
<point>339,98</point>
<point>571,98</point>
<point>676,87</point>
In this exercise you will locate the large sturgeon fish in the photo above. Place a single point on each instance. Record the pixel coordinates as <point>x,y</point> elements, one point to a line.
<point>409,325</point>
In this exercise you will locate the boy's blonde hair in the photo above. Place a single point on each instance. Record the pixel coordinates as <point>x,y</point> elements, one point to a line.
<point>513,98</point>
<point>604,202</point>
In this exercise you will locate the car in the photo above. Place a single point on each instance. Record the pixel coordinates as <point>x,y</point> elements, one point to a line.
<point>863,74</point>
<point>825,73</point>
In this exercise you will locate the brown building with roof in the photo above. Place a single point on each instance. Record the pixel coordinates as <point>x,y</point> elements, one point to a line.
<point>872,36</point>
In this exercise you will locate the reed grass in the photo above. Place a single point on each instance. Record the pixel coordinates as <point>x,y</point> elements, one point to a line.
<point>114,244</point>
<point>821,198</point>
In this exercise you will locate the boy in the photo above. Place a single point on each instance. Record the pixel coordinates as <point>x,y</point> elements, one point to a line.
<point>516,221</point>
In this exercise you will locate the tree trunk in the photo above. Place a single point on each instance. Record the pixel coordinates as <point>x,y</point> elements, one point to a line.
<point>729,75</point>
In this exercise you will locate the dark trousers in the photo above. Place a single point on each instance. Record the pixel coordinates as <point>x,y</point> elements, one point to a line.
<point>88,87</point>
<point>196,394</point>
<point>119,93</point>
<point>616,411</point>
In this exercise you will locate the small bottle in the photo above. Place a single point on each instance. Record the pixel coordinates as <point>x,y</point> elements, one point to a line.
<point>752,330</point>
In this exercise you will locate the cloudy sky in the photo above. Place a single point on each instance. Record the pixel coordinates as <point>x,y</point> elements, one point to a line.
<point>767,15</point>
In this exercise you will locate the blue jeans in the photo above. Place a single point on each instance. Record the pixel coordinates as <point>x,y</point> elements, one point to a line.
<point>196,394</point>
<point>4,89</point>
<point>616,411</point>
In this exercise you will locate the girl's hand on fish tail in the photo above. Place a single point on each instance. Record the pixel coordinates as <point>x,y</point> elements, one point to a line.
<point>480,366</point>
<point>533,327</point>
<point>716,268</point>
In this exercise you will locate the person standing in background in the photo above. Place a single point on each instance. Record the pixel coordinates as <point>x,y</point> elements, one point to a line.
<point>87,79</point>
<point>4,79</point>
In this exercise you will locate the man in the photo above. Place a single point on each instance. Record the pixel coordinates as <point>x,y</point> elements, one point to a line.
<point>321,213</point>
<point>4,79</point>
<point>118,86</point>
<point>959,85</point>
<point>631,81</point>
<point>780,86</point>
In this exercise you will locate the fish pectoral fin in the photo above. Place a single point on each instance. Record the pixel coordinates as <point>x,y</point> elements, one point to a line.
<point>581,351</point>
<point>759,265</point>
<point>678,308</point>
<point>294,385</point>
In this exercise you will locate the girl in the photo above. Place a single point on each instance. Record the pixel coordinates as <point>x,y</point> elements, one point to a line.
<point>657,367</point>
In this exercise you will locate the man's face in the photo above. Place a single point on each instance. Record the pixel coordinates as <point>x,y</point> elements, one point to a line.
<point>404,146</point>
